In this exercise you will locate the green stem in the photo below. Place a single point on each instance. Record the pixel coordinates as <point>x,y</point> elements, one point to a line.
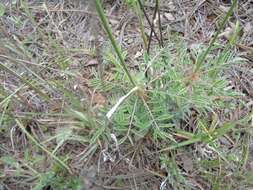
<point>113,41</point>
<point>202,57</point>
<point>22,127</point>
<point>143,35</point>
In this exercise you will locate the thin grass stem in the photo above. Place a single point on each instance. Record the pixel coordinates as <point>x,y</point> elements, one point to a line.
<point>203,56</point>
<point>21,126</point>
<point>107,28</point>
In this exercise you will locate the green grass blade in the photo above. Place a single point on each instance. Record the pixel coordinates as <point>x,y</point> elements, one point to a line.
<point>203,56</point>
<point>20,125</point>
<point>113,41</point>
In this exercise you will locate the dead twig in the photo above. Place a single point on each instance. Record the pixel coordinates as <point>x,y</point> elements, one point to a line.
<point>149,22</point>
<point>152,28</point>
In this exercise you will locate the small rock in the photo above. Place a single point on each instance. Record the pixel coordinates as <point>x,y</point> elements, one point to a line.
<point>169,16</point>
<point>138,54</point>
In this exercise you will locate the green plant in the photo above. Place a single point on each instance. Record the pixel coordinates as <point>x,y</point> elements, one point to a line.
<point>174,89</point>
<point>166,107</point>
<point>113,42</point>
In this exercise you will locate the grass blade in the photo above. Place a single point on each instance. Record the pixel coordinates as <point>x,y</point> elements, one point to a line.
<point>113,41</point>
<point>20,125</point>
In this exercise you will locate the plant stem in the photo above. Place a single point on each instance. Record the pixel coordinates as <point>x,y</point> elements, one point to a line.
<point>138,12</point>
<point>22,127</point>
<point>149,22</point>
<point>113,41</point>
<point>152,28</point>
<point>202,57</point>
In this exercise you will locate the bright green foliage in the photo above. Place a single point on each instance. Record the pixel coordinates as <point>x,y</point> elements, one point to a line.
<point>174,90</point>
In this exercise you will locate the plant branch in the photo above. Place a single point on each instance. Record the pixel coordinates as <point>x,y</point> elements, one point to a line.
<point>22,127</point>
<point>202,57</point>
<point>107,28</point>
<point>152,28</point>
<point>149,22</point>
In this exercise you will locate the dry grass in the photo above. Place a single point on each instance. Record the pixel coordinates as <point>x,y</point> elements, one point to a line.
<point>59,77</point>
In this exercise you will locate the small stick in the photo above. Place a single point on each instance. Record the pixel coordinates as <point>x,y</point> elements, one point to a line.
<point>152,28</point>
<point>149,22</point>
